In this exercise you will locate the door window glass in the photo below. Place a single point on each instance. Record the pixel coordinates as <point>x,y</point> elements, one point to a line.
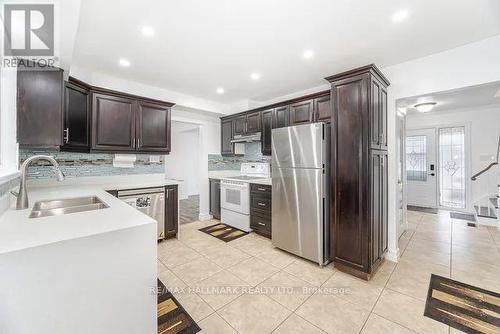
<point>416,158</point>
<point>233,196</point>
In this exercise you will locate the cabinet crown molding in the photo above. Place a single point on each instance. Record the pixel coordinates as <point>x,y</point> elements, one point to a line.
<point>96,89</point>
<point>372,68</point>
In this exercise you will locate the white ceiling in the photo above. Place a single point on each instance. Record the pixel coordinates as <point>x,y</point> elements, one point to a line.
<point>463,98</point>
<point>201,45</point>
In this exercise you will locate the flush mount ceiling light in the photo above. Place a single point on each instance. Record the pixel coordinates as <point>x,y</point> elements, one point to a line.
<point>148,31</point>
<point>308,54</point>
<point>220,90</point>
<point>400,15</point>
<point>425,107</point>
<point>255,76</point>
<point>124,62</point>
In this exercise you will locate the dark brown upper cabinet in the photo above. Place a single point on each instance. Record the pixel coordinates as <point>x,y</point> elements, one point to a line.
<point>311,108</point>
<point>102,120</point>
<point>76,117</point>
<point>322,109</point>
<point>239,125</point>
<point>301,112</point>
<point>254,122</point>
<point>378,114</point>
<point>267,127</point>
<point>227,148</point>
<point>113,123</point>
<point>40,107</point>
<point>153,127</point>
<point>281,117</point>
<point>359,172</point>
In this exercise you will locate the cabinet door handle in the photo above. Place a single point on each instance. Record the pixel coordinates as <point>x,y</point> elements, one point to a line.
<point>261,224</point>
<point>261,189</point>
<point>66,135</point>
<point>261,204</point>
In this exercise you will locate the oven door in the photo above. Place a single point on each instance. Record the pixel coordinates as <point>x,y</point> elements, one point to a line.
<point>235,196</point>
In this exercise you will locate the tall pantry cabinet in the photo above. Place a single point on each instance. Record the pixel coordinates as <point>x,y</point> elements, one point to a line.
<point>359,170</point>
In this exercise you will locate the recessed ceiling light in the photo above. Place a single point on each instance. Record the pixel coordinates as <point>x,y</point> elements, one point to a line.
<point>308,54</point>
<point>425,107</point>
<point>148,31</point>
<point>255,76</point>
<point>124,62</point>
<point>400,15</point>
<point>220,90</point>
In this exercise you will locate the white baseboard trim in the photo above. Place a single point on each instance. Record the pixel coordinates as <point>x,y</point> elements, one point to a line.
<point>393,255</point>
<point>204,217</point>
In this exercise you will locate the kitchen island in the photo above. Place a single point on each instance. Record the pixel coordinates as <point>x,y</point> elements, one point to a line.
<point>86,272</point>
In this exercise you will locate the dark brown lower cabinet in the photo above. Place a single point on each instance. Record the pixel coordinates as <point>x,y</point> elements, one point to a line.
<point>378,206</point>
<point>260,209</point>
<point>215,198</point>
<point>359,184</point>
<point>171,211</point>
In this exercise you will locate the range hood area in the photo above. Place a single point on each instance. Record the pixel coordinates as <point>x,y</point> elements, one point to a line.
<point>255,137</point>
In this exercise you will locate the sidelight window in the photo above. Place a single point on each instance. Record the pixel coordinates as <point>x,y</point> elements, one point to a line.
<point>452,167</point>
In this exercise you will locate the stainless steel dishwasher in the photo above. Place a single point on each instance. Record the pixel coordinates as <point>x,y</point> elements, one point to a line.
<point>150,201</point>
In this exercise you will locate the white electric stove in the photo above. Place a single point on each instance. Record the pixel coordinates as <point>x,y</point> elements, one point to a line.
<point>235,194</point>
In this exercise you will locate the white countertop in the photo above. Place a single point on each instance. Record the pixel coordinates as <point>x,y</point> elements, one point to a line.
<point>221,174</point>
<point>18,232</point>
<point>268,182</point>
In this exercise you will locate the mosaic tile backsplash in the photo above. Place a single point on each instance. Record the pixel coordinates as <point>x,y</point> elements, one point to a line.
<point>253,153</point>
<point>87,164</point>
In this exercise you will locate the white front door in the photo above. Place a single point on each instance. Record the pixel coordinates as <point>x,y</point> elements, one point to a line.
<point>421,168</point>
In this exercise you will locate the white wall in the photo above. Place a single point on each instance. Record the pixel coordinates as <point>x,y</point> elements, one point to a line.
<point>183,161</point>
<point>133,87</point>
<point>483,125</point>
<point>8,103</point>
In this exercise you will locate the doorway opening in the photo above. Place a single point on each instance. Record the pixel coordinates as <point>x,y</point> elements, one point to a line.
<point>182,165</point>
<point>450,147</point>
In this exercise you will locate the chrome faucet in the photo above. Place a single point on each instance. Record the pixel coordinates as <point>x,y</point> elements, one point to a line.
<point>22,195</point>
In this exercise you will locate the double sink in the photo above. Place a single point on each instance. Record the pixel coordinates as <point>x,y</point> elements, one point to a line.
<point>64,206</point>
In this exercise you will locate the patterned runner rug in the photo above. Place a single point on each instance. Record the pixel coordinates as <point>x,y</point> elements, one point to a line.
<point>223,232</point>
<point>172,318</point>
<point>462,306</point>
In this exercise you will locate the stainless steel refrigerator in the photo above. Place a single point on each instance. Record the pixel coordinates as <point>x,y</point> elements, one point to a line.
<point>301,183</point>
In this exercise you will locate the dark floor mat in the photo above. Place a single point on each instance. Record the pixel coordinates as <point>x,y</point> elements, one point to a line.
<point>421,209</point>
<point>172,317</point>
<point>462,306</point>
<point>464,216</point>
<point>223,232</point>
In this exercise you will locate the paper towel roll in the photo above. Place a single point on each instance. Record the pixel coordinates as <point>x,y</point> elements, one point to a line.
<point>124,160</point>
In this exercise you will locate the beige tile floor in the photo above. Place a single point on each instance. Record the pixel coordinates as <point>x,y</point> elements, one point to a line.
<point>248,286</point>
